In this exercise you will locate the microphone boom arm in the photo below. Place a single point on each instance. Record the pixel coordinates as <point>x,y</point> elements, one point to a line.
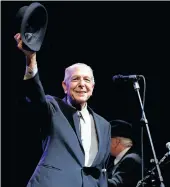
<point>153,169</point>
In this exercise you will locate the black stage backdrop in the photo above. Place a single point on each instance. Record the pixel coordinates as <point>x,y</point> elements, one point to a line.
<point>113,38</point>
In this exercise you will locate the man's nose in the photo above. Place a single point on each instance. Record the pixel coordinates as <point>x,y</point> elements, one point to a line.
<point>82,82</point>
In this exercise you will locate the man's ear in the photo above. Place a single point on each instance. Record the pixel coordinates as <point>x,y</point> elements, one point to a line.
<point>117,140</point>
<point>64,87</point>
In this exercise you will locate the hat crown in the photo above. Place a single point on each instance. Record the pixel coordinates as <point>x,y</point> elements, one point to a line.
<point>121,128</point>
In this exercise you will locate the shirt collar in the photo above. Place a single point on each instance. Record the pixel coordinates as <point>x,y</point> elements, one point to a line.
<point>84,109</point>
<point>120,155</point>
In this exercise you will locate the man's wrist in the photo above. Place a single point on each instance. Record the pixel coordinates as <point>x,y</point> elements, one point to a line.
<point>30,72</point>
<point>31,60</point>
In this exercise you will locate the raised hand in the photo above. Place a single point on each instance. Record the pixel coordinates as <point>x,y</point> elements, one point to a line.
<point>30,55</point>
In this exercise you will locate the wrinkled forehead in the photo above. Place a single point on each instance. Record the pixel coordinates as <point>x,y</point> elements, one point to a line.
<point>80,71</point>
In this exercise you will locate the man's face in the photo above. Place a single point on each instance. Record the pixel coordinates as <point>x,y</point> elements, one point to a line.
<point>114,146</point>
<point>79,86</point>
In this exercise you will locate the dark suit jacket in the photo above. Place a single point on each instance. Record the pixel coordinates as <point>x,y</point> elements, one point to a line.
<point>127,172</point>
<point>62,162</point>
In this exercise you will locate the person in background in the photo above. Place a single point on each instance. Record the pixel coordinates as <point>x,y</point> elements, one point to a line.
<point>124,168</point>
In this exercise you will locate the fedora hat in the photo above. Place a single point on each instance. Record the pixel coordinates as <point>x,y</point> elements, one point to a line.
<point>32,22</point>
<point>121,128</point>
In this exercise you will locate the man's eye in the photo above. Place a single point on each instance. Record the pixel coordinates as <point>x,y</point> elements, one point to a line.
<point>74,79</point>
<point>87,80</point>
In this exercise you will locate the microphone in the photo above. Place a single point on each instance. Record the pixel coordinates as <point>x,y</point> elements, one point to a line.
<point>166,154</point>
<point>126,77</point>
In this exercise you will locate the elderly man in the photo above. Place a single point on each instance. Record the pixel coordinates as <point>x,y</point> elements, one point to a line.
<point>124,169</point>
<point>76,139</point>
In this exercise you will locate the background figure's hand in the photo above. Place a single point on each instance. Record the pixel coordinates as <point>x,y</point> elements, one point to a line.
<point>30,55</point>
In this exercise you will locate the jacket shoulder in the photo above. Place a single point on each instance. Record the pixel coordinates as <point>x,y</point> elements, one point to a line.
<point>102,119</point>
<point>133,156</point>
<point>53,102</point>
<point>51,98</point>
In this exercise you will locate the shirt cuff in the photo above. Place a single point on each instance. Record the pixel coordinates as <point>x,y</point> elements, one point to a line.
<point>30,73</point>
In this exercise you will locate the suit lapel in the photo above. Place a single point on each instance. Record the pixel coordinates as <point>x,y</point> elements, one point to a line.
<point>72,116</point>
<point>116,166</point>
<point>77,128</point>
<point>98,131</point>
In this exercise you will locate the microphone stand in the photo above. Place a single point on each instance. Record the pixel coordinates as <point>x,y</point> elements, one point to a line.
<point>136,88</point>
<point>151,172</point>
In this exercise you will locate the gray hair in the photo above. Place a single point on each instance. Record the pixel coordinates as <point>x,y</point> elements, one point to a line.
<point>126,142</point>
<point>68,69</point>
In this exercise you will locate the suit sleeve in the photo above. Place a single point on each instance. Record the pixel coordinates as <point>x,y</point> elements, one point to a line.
<point>34,90</point>
<point>40,107</point>
<point>127,174</point>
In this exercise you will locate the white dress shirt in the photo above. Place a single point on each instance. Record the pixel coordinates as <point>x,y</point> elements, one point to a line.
<point>30,73</point>
<point>88,135</point>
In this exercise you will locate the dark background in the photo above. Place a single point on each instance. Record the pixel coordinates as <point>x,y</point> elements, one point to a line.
<point>113,38</point>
